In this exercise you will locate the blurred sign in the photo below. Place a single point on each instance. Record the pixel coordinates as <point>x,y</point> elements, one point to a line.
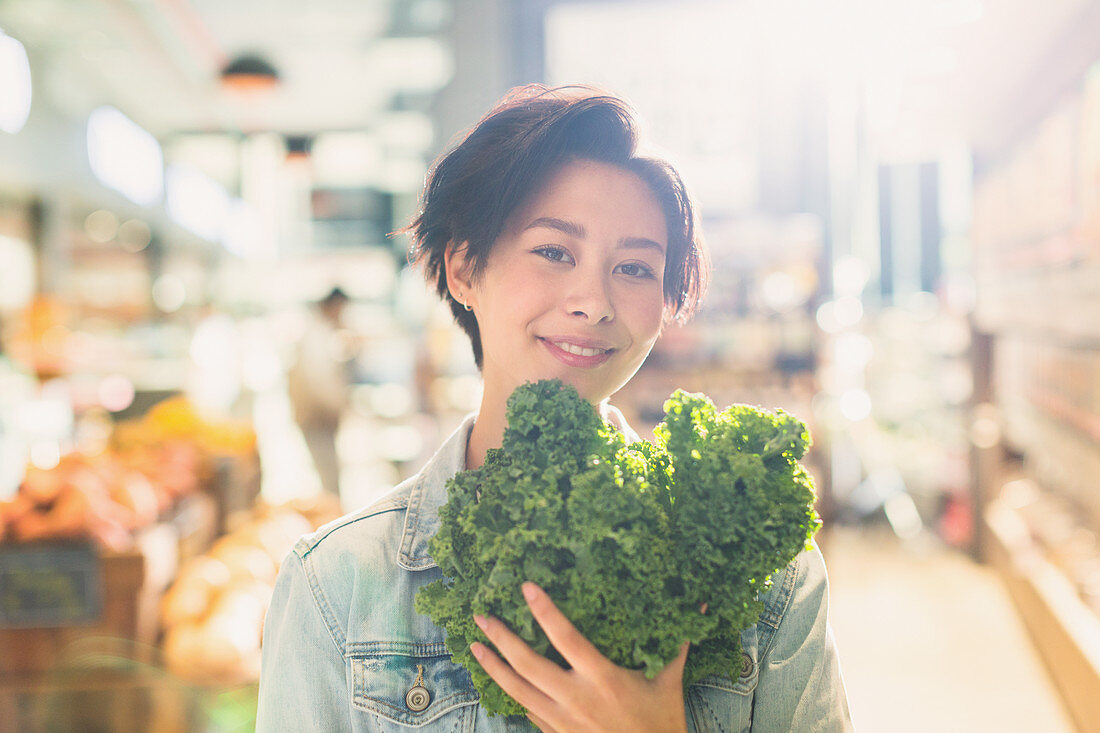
<point>57,585</point>
<point>351,217</point>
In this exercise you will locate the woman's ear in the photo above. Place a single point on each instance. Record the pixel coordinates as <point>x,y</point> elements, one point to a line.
<point>459,269</point>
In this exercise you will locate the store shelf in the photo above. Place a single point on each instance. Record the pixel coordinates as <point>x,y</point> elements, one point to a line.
<point>1066,632</point>
<point>1036,267</point>
<point>1055,304</point>
<point>1060,456</point>
<point>1085,422</point>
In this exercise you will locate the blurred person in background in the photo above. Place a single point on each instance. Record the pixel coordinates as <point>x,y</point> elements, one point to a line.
<point>318,384</point>
<point>562,252</point>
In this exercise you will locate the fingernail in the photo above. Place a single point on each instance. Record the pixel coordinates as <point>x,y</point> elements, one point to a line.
<point>480,621</point>
<point>530,591</point>
<point>477,650</point>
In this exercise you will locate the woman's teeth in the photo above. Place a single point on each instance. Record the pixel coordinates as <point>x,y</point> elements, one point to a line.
<point>578,350</point>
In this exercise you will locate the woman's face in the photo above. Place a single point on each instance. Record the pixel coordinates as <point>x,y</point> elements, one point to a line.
<point>572,288</point>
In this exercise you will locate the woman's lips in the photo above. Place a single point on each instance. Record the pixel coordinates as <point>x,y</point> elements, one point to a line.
<point>576,360</point>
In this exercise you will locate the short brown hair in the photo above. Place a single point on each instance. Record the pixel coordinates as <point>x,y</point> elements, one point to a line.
<point>474,188</point>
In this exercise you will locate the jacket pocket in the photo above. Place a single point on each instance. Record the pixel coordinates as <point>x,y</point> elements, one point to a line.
<point>722,703</point>
<point>406,685</point>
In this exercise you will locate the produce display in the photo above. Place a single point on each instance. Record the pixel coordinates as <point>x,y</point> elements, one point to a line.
<point>641,545</point>
<point>39,335</point>
<point>105,498</point>
<point>176,419</point>
<point>153,462</point>
<point>213,613</point>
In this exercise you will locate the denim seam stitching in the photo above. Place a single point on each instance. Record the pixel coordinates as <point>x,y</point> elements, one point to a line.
<point>400,715</point>
<point>748,686</point>
<point>691,695</point>
<point>324,607</point>
<point>405,558</point>
<point>398,648</point>
<point>788,592</point>
<point>397,505</point>
<point>771,616</point>
<point>710,712</point>
<point>412,512</point>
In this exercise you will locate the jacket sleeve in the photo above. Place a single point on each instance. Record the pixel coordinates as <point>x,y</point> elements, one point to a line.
<point>800,687</point>
<point>303,677</point>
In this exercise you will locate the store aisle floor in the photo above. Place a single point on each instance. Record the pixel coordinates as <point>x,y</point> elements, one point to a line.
<point>930,641</point>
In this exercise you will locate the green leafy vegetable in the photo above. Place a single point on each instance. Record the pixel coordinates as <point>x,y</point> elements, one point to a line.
<point>629,540</point>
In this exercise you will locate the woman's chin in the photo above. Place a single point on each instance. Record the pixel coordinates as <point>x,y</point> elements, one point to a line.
<point>594,394</point>
<point>593,390</point>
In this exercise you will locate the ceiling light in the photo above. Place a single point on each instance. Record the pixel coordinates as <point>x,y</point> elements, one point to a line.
<point>298,147</point>
<point>125,157</point>
<point>249,73</point>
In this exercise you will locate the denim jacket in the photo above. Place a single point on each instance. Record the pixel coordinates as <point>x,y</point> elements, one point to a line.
<point>343,647</point>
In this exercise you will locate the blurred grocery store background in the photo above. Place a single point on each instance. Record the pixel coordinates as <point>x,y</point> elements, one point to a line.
<point>902,200</point>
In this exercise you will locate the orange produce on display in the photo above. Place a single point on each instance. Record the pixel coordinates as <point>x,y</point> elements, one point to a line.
<point>135,493</point>
<point>80,498</point>
<point>42,337</point>
<point>153,463</point>
<point>211,614</point>
<point>177,418</point>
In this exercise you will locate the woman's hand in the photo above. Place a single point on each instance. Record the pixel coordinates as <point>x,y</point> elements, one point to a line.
<point>595,695</point>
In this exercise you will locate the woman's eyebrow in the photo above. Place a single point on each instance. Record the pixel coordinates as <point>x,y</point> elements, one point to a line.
<point>641,243</point>
<point>565,227</point>
<point>575,230</point>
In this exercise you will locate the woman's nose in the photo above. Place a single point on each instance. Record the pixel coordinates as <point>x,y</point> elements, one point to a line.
<point>590,297</point>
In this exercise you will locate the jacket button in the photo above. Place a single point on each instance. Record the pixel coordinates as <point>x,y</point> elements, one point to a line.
<point>746,665</point>
<point>417,698</point>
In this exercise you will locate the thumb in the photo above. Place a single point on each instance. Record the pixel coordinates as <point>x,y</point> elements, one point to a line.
<point>675,668</point>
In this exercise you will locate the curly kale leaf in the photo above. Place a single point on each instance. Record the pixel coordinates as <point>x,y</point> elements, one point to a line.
<point>742,509</point>
<point>629,540</point>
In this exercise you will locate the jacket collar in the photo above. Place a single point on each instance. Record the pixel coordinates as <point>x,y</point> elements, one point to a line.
<point>428,494</point>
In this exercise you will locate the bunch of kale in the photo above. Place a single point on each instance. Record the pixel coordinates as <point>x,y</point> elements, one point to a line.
<point>629,540</point>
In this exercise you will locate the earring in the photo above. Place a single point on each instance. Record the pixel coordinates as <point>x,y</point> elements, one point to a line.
<point>466,306</point>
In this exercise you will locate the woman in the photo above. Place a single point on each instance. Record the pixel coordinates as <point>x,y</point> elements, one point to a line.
<point>562,253</point>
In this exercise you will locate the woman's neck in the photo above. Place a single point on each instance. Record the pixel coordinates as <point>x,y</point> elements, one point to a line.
<point>487,432</point>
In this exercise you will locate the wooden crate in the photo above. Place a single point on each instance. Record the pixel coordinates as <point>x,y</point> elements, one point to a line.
<point>129,588</point>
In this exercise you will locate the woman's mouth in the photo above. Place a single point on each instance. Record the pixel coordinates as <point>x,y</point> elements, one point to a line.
<point>575,355</point>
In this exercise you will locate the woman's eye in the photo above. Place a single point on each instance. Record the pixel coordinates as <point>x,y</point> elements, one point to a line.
<point>554,254</point>
<point>634,269</point>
